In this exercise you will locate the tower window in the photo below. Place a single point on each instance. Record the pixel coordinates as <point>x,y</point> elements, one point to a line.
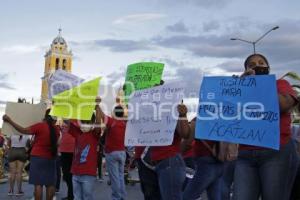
<point>56,63</point>
<point>64,64</point>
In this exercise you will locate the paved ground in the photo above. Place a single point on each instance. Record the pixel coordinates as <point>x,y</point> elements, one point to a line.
<point>102,192</point>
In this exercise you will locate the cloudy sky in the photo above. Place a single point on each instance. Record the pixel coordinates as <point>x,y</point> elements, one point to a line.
<point>192,38</point>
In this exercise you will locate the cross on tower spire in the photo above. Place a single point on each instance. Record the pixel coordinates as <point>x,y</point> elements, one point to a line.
<point>59,31</point>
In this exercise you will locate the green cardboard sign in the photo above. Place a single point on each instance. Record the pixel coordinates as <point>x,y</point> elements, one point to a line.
<point>141,76</point>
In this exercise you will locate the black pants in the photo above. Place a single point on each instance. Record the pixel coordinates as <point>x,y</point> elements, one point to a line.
<point>100,157</point>
<point>149,182</point>
<point>58,173</point>
<point>296,192</point>
<point>66,164</point>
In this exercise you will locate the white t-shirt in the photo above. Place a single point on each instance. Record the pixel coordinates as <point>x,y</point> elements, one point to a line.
<point>17,142</point>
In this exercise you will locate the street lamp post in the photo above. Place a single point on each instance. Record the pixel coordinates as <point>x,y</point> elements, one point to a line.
<point>256,41</point>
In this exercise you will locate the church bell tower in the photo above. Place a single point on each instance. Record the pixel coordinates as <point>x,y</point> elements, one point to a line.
<point>57,57</point>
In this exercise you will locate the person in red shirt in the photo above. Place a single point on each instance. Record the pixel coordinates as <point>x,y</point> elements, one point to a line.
<point>2,140</point>
<point>84,165</point>
<point>208,170</point>
<point>114,150</point>
<point>66,148</point>
<point>167,162</point>
<point>148,177</point>
<point>43,154</point>
<point>265,172</point>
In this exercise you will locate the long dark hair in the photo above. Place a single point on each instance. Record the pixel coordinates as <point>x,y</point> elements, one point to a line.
<point>255,54</point>
<point>53,137</point>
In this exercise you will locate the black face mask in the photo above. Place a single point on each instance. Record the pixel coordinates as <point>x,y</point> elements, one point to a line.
<point>119,112</point>
<point>259,70</point>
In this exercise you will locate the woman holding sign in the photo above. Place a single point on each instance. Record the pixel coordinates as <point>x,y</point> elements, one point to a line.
<point>265,172</point>
<point>114,149</point>
<point>167,162</point>
<point>43,154</point>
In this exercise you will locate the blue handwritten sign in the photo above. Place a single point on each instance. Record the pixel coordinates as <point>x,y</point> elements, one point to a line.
<point>239,110</point>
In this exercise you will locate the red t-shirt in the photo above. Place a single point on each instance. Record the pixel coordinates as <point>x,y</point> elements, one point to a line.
<point>67,143</point>
<point>85,153</point>
<point>189,153</point>
<point>42,145</point>
<point>114,140</point>
<point>1,141</point>
<point>200,150</point>
<point>163,152</point>
<point>284,88</point>
<point>138,151</point>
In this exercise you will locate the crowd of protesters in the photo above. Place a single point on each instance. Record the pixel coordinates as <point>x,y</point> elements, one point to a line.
<point>184,170</point>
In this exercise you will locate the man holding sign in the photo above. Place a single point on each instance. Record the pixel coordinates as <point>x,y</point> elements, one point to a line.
<point>141,76</point>
<point>115,154</point>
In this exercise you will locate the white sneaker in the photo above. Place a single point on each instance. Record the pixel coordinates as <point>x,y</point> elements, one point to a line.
<point>101,180</point>
<point>10,194</point>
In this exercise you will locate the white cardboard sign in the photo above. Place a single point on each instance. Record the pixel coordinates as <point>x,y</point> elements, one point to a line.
<point>152,115</point>
<point>61,81</point>
<point>23,114</point>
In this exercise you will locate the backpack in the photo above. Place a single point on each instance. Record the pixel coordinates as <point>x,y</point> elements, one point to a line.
<point>223,151</point>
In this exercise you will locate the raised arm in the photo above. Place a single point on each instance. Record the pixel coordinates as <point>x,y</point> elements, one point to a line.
<point>18,127</point>
<point>286,96</point>
<point>99,116</point>
<point>182,128</point>
<point>186,144</point>
<point>99,113</point>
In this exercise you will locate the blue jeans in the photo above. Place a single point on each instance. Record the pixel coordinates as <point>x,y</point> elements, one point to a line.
<point>189,163</point>
<point>227,179</point>
<point>149,182</point>
<point>83,187</point>
<point>266,173</point>
<point>207,177</point>
<point>115,162</point>
<point>171,175</point>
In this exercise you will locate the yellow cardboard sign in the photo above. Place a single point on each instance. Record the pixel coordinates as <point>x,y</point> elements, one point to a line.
<point>78,102</point>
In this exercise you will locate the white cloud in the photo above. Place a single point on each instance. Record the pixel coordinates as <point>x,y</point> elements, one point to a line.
<point>178,27</point>
<point>21,49</point>
<point>137,18</point>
